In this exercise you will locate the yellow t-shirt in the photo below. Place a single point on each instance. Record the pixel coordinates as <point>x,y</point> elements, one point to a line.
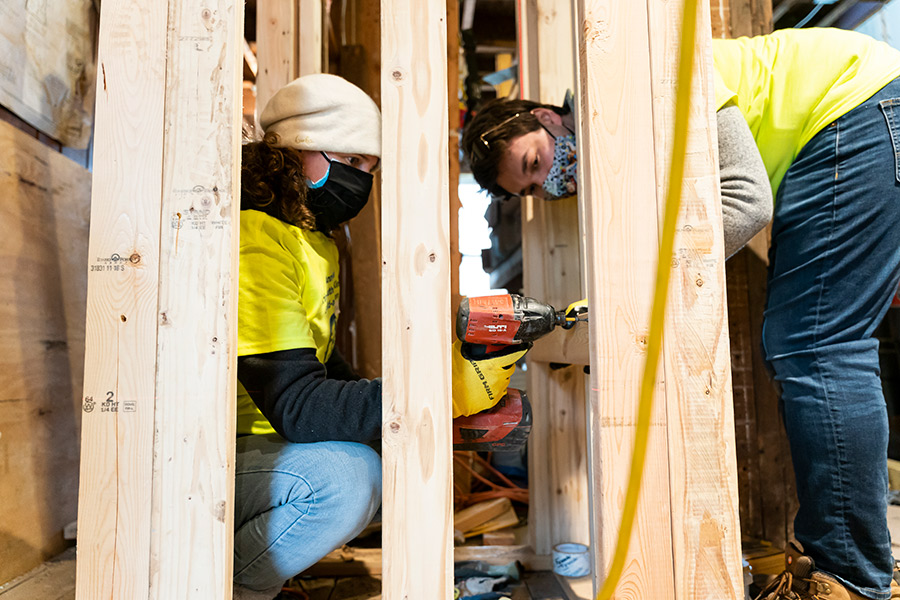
<point>287,297</point>
<point>791,84</point>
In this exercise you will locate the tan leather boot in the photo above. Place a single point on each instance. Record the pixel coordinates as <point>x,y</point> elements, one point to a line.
<point>801,581</point>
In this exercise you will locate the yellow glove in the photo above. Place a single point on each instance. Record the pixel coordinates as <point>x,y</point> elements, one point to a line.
<point>480,383</point>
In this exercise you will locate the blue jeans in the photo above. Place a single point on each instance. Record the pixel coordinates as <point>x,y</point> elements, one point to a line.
<point>295,503</point>
<point>834,263</point>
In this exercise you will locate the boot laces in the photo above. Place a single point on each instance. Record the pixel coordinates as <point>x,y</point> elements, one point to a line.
<point>781,589</point>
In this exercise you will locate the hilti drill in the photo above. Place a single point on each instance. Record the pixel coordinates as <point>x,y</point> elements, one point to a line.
<point>487,324</point>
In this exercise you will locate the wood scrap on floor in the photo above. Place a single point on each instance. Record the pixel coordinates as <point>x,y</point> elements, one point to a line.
<point>471,517</point>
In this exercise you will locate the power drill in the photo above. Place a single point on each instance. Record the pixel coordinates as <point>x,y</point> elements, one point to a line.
<point>488,324</point>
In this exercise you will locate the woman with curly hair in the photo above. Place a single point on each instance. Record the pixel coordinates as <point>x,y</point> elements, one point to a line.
<point>307,481</point>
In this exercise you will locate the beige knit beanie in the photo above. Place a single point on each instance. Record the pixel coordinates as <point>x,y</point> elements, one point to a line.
<point>323,112</point>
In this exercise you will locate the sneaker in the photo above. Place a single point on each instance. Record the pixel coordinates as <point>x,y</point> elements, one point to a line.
<point>801,581</point>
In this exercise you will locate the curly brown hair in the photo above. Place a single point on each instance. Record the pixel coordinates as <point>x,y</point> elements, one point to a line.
<point>272,181</point>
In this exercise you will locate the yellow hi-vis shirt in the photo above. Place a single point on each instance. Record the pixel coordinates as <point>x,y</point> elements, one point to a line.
<point>287,297</point>
<point>792,83</point>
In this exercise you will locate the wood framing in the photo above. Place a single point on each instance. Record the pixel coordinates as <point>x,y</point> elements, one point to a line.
<point>309,36</point>
<point>157,462</point>
<point>687,515</point>
<point>277,47</point>
<point>417,508</point>
<point>553,262</point>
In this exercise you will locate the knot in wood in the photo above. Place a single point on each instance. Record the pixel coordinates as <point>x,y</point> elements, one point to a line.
<point>135,258</point>
<point>395,427</point>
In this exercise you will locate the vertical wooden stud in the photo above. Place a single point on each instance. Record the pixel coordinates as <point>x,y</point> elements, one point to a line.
<point>618,195</point>
<point>687,515</point>
<point>309,36</point>
<point>552,272</point>
<point>418,534</point>
<point>120,334</point>
<point>276,47</point>
<point>697,366</point>
<point>193,470</point>
<point>157,469</point>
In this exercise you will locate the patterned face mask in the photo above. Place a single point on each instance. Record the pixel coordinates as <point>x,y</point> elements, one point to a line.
<point>562,180</point>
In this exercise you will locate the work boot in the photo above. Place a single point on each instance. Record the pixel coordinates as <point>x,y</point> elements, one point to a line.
<point>801,581</point>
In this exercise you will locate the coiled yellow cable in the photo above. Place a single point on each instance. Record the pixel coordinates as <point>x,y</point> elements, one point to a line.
<point>657,316</point>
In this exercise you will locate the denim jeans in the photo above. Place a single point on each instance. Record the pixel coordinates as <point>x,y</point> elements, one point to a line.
<point>295,503</point>
<point>834,264</point>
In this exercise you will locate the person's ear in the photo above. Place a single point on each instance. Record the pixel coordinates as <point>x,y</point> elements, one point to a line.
<point>547,117</point>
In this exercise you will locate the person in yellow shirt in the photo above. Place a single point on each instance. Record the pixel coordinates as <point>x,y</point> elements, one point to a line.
<point>307,477</point>
<point>811,117</point>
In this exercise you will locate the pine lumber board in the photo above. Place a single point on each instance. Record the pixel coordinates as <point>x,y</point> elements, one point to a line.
<point>309,36</point>
<point>472,516</point>
<point>365,228</point>
<point>688,501</point>
<point>43,253</point>
<point>527,36</point>
<point>416,442</point>
<point>276,47</point>
<point>553,265</point>
<point>157,469</point>
<point>696,354</point>
<point>618,195</point>
<point>502,537</point>
<point>120,336</point>
<point>507,518</point>
<point>193,470</point>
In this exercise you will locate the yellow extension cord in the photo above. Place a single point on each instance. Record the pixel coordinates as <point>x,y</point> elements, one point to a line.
<point>657,315</point>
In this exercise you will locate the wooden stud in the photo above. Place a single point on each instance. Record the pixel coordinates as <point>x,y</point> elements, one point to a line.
<point>365,228</point>
<point>309,31</point>
<point>157,470</point>
<point>618,196</point>
<point>552,272</point>
<point>115,485</point>
<point>687,514</point>
<point>276,47</point>
<point>697,368</point>
<point>417,506</point>
<point>193,471</point>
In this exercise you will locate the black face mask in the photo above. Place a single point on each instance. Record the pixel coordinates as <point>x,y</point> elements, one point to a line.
<point>340,198</point>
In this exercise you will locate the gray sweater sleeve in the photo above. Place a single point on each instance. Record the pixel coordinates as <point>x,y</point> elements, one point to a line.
<point>746,192</point>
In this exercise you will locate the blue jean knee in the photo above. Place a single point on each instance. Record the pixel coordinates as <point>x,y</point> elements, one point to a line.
<point>295,503</point>
<point>834,263</point>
